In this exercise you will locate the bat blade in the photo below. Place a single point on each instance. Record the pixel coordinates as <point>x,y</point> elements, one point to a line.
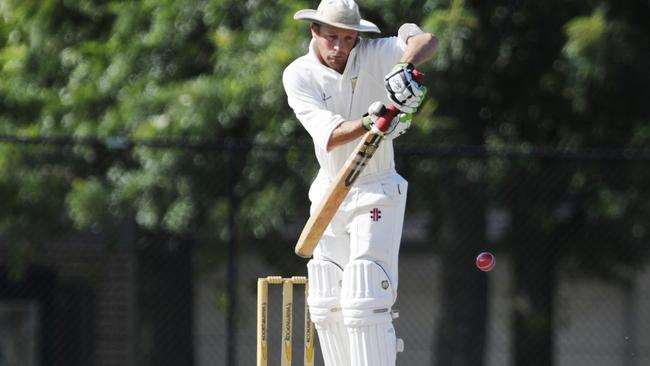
<point>322,216</point>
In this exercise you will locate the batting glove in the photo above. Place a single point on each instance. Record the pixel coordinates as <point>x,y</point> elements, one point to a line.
<point>403,89</point>
<point>397,127</point>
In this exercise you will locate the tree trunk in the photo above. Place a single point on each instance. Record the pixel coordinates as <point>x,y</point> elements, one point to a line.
<point>461,334</point>
<point>534,286</point>
<point>534,244</point>
<point>164,301</point>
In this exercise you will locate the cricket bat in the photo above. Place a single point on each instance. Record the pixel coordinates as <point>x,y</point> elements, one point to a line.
<point>315,226</point>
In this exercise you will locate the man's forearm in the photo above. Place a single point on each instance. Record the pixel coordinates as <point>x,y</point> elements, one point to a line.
<point>420,48</point>
<point>346,132</point>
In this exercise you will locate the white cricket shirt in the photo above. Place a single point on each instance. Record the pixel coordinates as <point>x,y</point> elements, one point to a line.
<point>322,98</point>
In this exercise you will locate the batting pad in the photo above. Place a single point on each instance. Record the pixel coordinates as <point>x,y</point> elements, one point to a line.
<point>366,298</point>
<point>324,306</point>
<point>324,289</point>
<point>373,345</point>
<point>367,294</point>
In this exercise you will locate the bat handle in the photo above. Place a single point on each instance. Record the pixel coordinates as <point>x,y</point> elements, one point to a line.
<point>384,121</point>
<point>419,76</point>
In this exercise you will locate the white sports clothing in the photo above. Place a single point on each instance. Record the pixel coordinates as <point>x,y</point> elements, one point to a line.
<point>322,98</point>
<point>364,236</point>
<point>368,227</point>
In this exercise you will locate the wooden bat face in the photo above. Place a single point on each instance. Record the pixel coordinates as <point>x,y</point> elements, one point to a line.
<point>366,151</point>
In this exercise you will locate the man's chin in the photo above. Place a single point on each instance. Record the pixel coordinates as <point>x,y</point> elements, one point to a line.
<point>336,63</point>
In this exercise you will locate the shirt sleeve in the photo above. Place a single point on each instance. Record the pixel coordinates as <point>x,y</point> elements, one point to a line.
<point>306,100</point>
<point>389,49</point>
<point>380,55</point>
<point>407,31</point>
<point>384,53</point>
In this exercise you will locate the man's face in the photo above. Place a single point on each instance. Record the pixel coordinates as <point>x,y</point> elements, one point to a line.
<point>334,45</point>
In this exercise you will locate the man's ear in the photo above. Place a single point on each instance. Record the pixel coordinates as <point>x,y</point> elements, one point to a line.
<point>315,28</point>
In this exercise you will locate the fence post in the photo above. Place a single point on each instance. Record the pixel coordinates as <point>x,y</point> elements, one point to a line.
<point>231,331</point>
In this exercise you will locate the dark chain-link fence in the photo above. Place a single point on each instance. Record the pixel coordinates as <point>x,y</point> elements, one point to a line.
<point>569,229</point>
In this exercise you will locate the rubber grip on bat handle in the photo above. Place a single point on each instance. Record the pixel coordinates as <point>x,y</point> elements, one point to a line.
<point>419,77</point>
<point>384,121</point>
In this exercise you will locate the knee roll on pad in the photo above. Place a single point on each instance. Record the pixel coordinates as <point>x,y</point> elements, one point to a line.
<point>367,294</point>
<point>324,297</point>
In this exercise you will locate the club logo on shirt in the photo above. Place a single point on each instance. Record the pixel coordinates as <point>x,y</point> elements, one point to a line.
<point>375,214</point>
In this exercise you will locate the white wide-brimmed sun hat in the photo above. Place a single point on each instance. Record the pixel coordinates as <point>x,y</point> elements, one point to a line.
<point>338,13</point>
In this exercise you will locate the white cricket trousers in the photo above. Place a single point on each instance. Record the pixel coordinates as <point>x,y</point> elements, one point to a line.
<point>368,224</point>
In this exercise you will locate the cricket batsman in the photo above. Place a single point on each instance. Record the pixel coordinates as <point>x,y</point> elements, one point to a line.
<point>337,90</point>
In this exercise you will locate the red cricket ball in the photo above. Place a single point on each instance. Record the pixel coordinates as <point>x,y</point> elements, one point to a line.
<point>485,261</point>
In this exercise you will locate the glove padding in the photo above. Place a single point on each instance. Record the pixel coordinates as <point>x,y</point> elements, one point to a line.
<point>403,89</point>
<point>397,127</point>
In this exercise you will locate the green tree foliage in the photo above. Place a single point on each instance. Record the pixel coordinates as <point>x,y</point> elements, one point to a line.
<point>526,74</point>
<point>198,75</point>
<point>155,70</point>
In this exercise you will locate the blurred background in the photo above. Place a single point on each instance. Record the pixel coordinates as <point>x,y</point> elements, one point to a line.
<point>151,170</point>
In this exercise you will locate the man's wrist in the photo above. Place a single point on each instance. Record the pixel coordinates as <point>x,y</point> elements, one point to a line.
<point>405,65</point>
